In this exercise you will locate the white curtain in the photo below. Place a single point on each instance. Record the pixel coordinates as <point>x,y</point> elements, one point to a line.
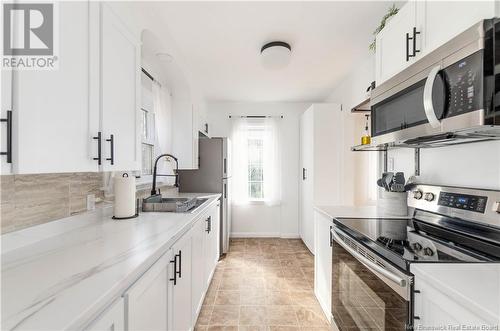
<point>161,130</point>
<point>270,131</point>
<point>240,160</point>
<point>272,161</point>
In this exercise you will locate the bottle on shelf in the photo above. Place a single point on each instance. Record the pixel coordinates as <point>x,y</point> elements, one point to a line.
<point>366,139</point>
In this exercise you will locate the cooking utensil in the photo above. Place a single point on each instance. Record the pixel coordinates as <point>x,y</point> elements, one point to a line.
<point>388,181</point>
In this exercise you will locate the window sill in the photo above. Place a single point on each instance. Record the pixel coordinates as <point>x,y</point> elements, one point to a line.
<point>262,202</point>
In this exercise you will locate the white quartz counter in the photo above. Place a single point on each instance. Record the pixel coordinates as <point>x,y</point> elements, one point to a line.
<point>355,212</point>
<point>61,275</point>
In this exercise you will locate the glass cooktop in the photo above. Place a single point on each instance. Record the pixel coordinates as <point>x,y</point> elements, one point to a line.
<point>401,241</point>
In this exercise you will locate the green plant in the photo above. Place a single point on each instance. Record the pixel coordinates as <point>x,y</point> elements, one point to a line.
<point>391,12</point>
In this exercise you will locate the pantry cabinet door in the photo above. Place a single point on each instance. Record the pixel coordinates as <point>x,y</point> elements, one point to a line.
<point>53,123</point>
<point>213,241</point>
<point>306,224</point>
<point>439,21</point>
<point>146,300</point>
<point>6,100</point>
<point>120,94</point>
<point>390,54</point>
<point>180,307</point>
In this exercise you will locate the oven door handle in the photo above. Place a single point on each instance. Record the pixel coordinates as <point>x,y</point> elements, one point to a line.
<point>428,104</point>
<point>369,264</point>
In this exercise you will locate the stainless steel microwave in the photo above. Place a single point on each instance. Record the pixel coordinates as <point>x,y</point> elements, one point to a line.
<point>449,96</point>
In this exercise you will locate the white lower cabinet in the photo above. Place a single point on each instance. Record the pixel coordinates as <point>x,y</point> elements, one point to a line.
<point>457,294</point>
<point>113,319</point>
<point>180,301</point>
<point>169,295</point>
<point>146,300</point>
<point>199,257</point>
<point>323,262</point>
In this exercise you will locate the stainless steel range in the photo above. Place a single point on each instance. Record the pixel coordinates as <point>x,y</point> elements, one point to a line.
<point>373,281</point>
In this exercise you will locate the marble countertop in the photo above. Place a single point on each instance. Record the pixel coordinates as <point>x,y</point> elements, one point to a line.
<point>356,212</point>
<point>60,275</point>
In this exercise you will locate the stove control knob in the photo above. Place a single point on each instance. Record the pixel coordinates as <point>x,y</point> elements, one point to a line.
<point>429,196</point>
<point>417,246</point>
<point>417,194</point>
<point>428,251</point>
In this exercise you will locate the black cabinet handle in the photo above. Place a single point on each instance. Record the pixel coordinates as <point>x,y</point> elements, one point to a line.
<point>209,224</point>
<point>99,140</point>
<point>112,146</point>
<point>415,50</point>
<point>175,269</point>
<point>331,236</point>
<point>304,174</point>
<point>180,264</point>
<point>407,47</point>
<point>8,121</point>
<point>225,191</point>
<point>413,38</point>
<point>225,166</point>
<point>206,128</point>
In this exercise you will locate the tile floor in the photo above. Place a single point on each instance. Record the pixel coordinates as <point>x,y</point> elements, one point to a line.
<point>263,284</point>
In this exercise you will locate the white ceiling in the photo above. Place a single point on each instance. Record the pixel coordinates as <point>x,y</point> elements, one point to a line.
<point>221,42</point>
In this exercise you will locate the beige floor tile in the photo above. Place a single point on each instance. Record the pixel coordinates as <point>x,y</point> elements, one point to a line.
<point>252,315</point>
<point>231,298</point>
<point>252,328</point>
<point>304,298</point>
<point>204,316</point>
<point>278,298</point>
<point>222,328</point>
<point>284,328</point>
<point>281,315</point>
<point>253,297</point>
<point>310,317</point>
<point>225,316</point>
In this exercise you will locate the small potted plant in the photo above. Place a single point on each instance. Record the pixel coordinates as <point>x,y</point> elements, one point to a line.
<point>393,10</point>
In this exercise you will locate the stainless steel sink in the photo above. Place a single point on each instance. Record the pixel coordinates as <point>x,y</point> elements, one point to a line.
<point>171,205</point>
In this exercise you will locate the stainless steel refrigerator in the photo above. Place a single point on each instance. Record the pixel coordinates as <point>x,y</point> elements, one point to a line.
<point>213,176</point>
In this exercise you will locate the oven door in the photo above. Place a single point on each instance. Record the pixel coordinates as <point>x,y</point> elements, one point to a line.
<point>367,292</point>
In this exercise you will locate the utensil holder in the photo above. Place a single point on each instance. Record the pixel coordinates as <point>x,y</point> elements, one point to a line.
<point>393,203</point>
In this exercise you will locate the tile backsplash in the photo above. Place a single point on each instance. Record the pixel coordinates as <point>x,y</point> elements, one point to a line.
<point>28,200</point>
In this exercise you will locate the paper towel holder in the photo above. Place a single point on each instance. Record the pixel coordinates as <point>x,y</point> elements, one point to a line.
<point>136,208</point>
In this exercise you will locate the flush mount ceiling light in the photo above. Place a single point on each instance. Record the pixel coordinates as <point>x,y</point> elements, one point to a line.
<point>165,57</point>
<point>276,54</point>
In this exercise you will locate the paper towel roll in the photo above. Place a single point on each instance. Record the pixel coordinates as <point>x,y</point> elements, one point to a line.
<point>124,188</point>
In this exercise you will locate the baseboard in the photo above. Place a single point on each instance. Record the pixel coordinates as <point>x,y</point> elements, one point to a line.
<point>264,235</point>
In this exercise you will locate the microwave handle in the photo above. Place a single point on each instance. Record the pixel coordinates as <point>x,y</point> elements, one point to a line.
<point>428,106</point>
<point>369,264</point>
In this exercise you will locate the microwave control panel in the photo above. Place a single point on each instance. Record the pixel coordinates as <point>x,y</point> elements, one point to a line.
<point>464,82</point>
<point>463,201</point>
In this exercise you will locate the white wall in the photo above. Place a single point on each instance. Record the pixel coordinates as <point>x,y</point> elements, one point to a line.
<point>356,186</point>
<point>258,219</point>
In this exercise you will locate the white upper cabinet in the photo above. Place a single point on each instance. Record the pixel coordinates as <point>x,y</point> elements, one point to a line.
<point>393,50</point>
<point>439,21</point>
<point>422,26</point>
<point>119,94</point>
<point>185,132</point>
<point>53,121</point>
<point>5,126</point>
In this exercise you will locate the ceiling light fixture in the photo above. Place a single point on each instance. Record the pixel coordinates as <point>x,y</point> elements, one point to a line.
<point>276,54</point>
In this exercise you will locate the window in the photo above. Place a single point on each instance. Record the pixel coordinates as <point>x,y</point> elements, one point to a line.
<point>148,125</point>
<point>256,160</point>
<point>256,165</point>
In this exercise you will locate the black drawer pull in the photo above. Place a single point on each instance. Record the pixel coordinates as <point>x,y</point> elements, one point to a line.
<point>112,146</point>
<point>175,270</point>
<point>331,236</point>
<point>8,121</point>
<point>99,140</point>
<point>180,264</point>
<point>209,224</point>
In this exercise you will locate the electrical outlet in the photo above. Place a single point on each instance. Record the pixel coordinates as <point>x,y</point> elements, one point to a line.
<point>390,164</point>
<point>91,202</point>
